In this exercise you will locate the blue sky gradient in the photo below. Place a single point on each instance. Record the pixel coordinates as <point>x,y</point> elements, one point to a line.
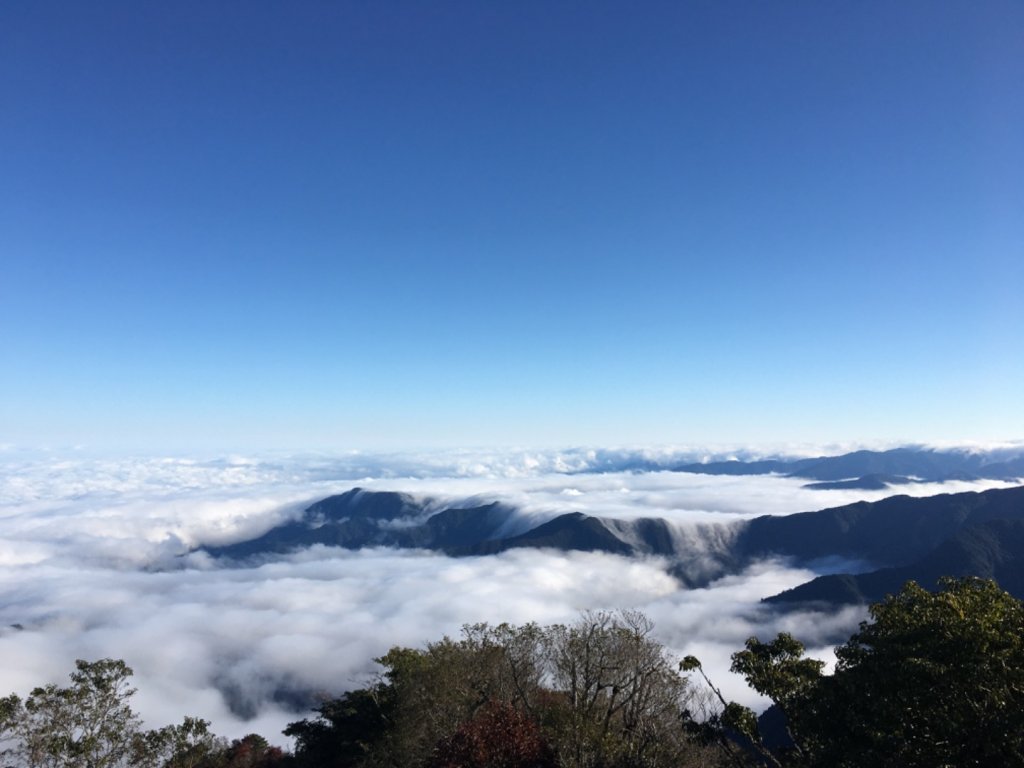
<point>365,225</point>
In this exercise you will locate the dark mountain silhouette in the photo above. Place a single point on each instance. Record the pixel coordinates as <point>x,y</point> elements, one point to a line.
<point>993,549</point>
<point>574,531</point>
<point>695,560</point>
<point>361,518</point>
<point>865,483</point>
<point>363,504</point>
<point>459,527</point>
<point>979,534</point>
<point>893,531</point>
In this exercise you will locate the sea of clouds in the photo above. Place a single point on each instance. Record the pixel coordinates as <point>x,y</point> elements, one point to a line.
<point>97,560</point>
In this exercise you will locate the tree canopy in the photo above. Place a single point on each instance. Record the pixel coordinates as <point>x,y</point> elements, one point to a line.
<point>933,679</point>
<point>90,724</point>
<point>598,693</point>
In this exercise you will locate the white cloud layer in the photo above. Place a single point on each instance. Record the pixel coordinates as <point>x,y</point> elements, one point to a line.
<point>91,565</point>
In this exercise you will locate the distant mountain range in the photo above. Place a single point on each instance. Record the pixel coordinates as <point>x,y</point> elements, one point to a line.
<point>901,537</point>
<point>874,469</point>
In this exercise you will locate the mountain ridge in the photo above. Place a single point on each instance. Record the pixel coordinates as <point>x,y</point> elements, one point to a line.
<point>900,537</point>
<point>993,549</point>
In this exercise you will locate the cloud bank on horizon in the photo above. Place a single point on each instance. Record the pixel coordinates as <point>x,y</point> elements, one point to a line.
<point>91,565</point>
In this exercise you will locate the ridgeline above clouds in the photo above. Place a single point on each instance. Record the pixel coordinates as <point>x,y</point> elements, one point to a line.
<point>893,532</point>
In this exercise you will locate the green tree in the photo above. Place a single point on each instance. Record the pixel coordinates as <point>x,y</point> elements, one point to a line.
<point>602,691</point>
<point>86,725</point>
<point>189,745</point>
<point>933,679</point>
<point>345,731</point>
<point>623,697</point>
<point>421,697</point>
<point>90,724</point>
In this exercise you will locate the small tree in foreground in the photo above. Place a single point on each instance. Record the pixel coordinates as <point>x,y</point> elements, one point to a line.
<point>90,724</point>
<point>86,725</point>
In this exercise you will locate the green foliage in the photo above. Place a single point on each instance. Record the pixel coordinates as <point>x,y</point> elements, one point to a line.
<point>777,669</point>
<point>740,719</point>
<point>345,729</point>
<point>189,745</point>
<point>86,725</point>
<point>90,724</point>
<point>623,697</point>
<point>601,692</point>
<point>934,679</point>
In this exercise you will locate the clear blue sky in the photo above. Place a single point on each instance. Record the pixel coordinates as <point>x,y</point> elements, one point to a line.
<point>373,224</point>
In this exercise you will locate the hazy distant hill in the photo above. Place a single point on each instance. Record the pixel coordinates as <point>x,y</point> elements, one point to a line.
<point>736,467</point>
<point>923,464</point>
<point>865,483</point>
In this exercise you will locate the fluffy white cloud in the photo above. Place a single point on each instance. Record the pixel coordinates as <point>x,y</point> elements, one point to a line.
<point>92,565</point>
